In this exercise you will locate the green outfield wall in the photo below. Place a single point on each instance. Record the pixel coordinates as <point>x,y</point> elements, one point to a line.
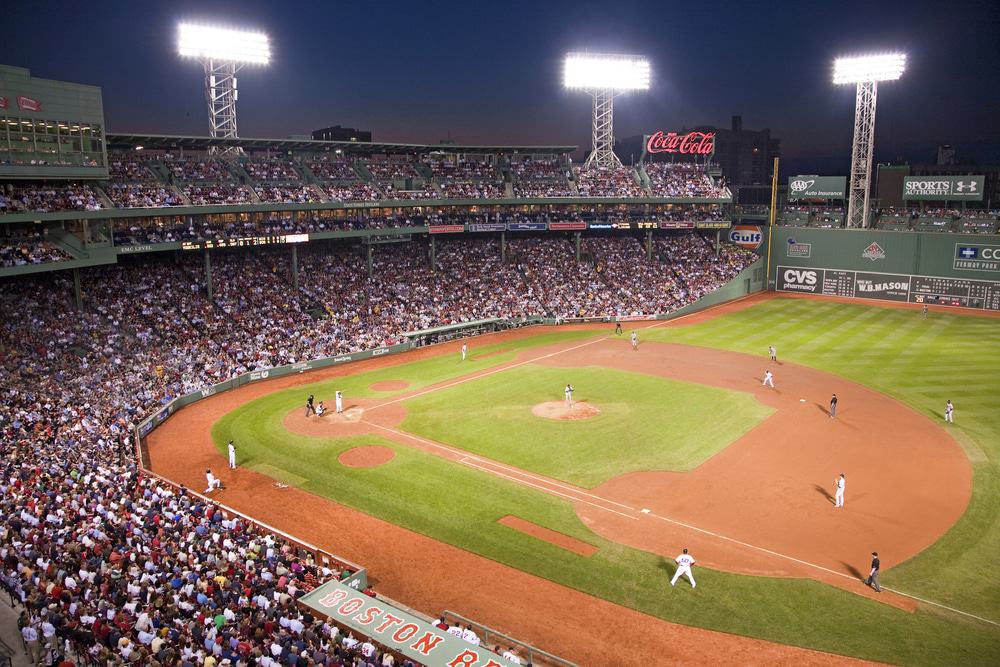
<point>915,267</point>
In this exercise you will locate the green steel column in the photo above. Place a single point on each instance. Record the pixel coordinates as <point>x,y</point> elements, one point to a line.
<point>578,246</point>
<point>503,247</point>
<point>371,263</point>
<point>77,293</point>
<point>718,236</point>
<point>295,267</point>
<point>208,276</point>
<point>434,266</point>
<point>649,245</point>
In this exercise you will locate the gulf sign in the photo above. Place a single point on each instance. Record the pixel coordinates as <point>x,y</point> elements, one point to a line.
<point>746,236</point>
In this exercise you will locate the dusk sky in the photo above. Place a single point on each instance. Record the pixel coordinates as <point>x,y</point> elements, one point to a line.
<point>483,72</point>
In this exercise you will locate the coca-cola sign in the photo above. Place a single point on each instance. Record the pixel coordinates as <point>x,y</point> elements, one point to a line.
<point>692,143</point>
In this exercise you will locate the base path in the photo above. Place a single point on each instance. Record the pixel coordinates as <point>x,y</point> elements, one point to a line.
<point>434,576</point>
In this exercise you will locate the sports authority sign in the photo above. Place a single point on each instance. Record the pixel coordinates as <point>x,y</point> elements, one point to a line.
<point>977,257</point>
<point>981,294</point>
<point>817,187</point>
<point>396,629</point>
<point>943,188</point>
<point>746,236</point>
<point>692,143</point>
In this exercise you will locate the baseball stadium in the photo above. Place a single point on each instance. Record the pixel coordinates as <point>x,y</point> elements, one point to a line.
<point>338,401</point>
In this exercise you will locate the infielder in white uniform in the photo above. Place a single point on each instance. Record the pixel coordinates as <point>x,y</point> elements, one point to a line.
<point>569,394</point>
<point>840,482</point>
<point>949,412</point>
<point>340,402</point>
<point>768,379</point>
<point>213,481</point>
<point>232,454</point>
<point>772,351</point>
<point>684,563</point>
<point>465,350</point>
<point>635,341</point>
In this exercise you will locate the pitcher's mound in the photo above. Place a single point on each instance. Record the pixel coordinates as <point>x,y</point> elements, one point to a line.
<point>368,456</point>
<point>560,410</point>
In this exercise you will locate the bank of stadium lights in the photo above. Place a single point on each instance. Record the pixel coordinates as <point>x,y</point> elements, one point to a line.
<point>222,52</point>
<point>604,76</point>
<point>865,72</point>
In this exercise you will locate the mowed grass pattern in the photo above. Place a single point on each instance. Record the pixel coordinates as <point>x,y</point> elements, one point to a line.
<point>646,422</point>
<point>923,362</point>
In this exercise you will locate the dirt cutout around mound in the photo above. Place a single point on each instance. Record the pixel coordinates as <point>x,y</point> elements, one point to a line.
<point>565,411</point>
<point>551,536</point>
<point>368,456</point>
<point>389,385</point>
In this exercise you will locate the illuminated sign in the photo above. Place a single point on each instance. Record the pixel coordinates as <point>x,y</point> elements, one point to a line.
<point>692,143</point>
<point>567,226</point>
<point>527,226</point>
<point>746,236</point>
<point>446,229</point>
<point>244,241</point>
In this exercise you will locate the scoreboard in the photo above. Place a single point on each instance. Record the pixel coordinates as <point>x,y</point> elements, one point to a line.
<point>934,290</point>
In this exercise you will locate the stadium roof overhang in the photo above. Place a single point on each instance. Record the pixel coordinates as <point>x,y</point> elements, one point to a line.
<point>170,142</point>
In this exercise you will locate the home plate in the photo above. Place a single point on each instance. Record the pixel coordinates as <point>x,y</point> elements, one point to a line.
<point>645,511</point>
<point>802,400</point>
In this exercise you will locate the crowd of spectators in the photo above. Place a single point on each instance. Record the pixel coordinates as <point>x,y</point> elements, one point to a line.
<point>128,195</point>
<point>203,169</point>
<point>357,191</point>
<point>42,198</point>
<point>682,179</point>
<point>271,169</point>
<point>286,194</point>
<point>602,182</point>
<point>121,568</point>
<point>217,194</point>
<point>391,170</point>
<point>472,190</point>
<point>337,169</point>
<point>463,170</point>
<point>29,248</point>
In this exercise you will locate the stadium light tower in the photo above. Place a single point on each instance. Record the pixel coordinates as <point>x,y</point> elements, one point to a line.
<point>866,72</point>
<point>222,53</point>
<point>604,77</point>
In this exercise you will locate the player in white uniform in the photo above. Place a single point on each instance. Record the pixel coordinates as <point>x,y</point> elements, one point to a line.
<point>635,341</point>
<point>213,481</point>
<point>569,394</point>
<point>320,409</point>
<point>684,563</point>
<point>455,631</point>
<point>840,482</point>
<point>768,379</point>
<point>772,352</point>
<point>949,412</point>
<point>465,350</point>
<point>232,454</point>
<point>340,402</point>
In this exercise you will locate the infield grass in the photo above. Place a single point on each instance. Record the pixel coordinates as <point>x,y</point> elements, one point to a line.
<point>460,506</point>
<point>645,423</point>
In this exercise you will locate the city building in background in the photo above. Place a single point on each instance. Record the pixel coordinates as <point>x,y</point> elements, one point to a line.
<point>338,133</point>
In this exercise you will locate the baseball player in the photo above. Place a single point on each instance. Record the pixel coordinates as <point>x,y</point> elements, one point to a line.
<point>465,350</point>
<point>768,379</point>
<point>949,412</point>
<point>309,406</point>
<point>635,342</point>
<point>925,311</point>
<point>213,481</point>
<point>772,352</point>
<point>339,397</point>
<point>839,495</point>
<point>320,409</point>
<point>833,406</point>
<point>618,327</point>
<point>569,394</point>
<point>873,573</point>
<point>684,563</point>
<point>232,455</point>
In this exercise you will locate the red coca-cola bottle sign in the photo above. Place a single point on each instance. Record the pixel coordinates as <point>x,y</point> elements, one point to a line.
<point>692,143</point>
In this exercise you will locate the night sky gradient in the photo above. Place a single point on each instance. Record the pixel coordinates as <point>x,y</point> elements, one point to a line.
<point>489,72</point>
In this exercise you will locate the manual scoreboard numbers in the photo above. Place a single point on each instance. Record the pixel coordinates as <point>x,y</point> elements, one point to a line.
<point>982,294</point>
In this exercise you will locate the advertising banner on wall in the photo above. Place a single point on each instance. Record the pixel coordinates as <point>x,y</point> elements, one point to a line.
<point>689,143</point>
<point>943,188</point>
<point>817,187</point>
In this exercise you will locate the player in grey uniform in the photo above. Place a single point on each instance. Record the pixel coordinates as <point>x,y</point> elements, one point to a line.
<point>949,412</point>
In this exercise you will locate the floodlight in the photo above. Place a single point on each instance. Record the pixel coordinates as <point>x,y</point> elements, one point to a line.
<point>604,76</point>
<point>222,53</point>
<point>608,72</point>
<point>859,69</point>
<point>237,46</point>
<point>865,72</point>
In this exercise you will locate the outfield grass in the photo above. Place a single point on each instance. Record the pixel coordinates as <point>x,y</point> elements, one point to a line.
<point>923,362</point>
<point>646,422</point>
<point>460,506</point>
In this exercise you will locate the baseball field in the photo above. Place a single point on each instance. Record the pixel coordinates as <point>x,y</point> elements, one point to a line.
<point>473,485</point>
